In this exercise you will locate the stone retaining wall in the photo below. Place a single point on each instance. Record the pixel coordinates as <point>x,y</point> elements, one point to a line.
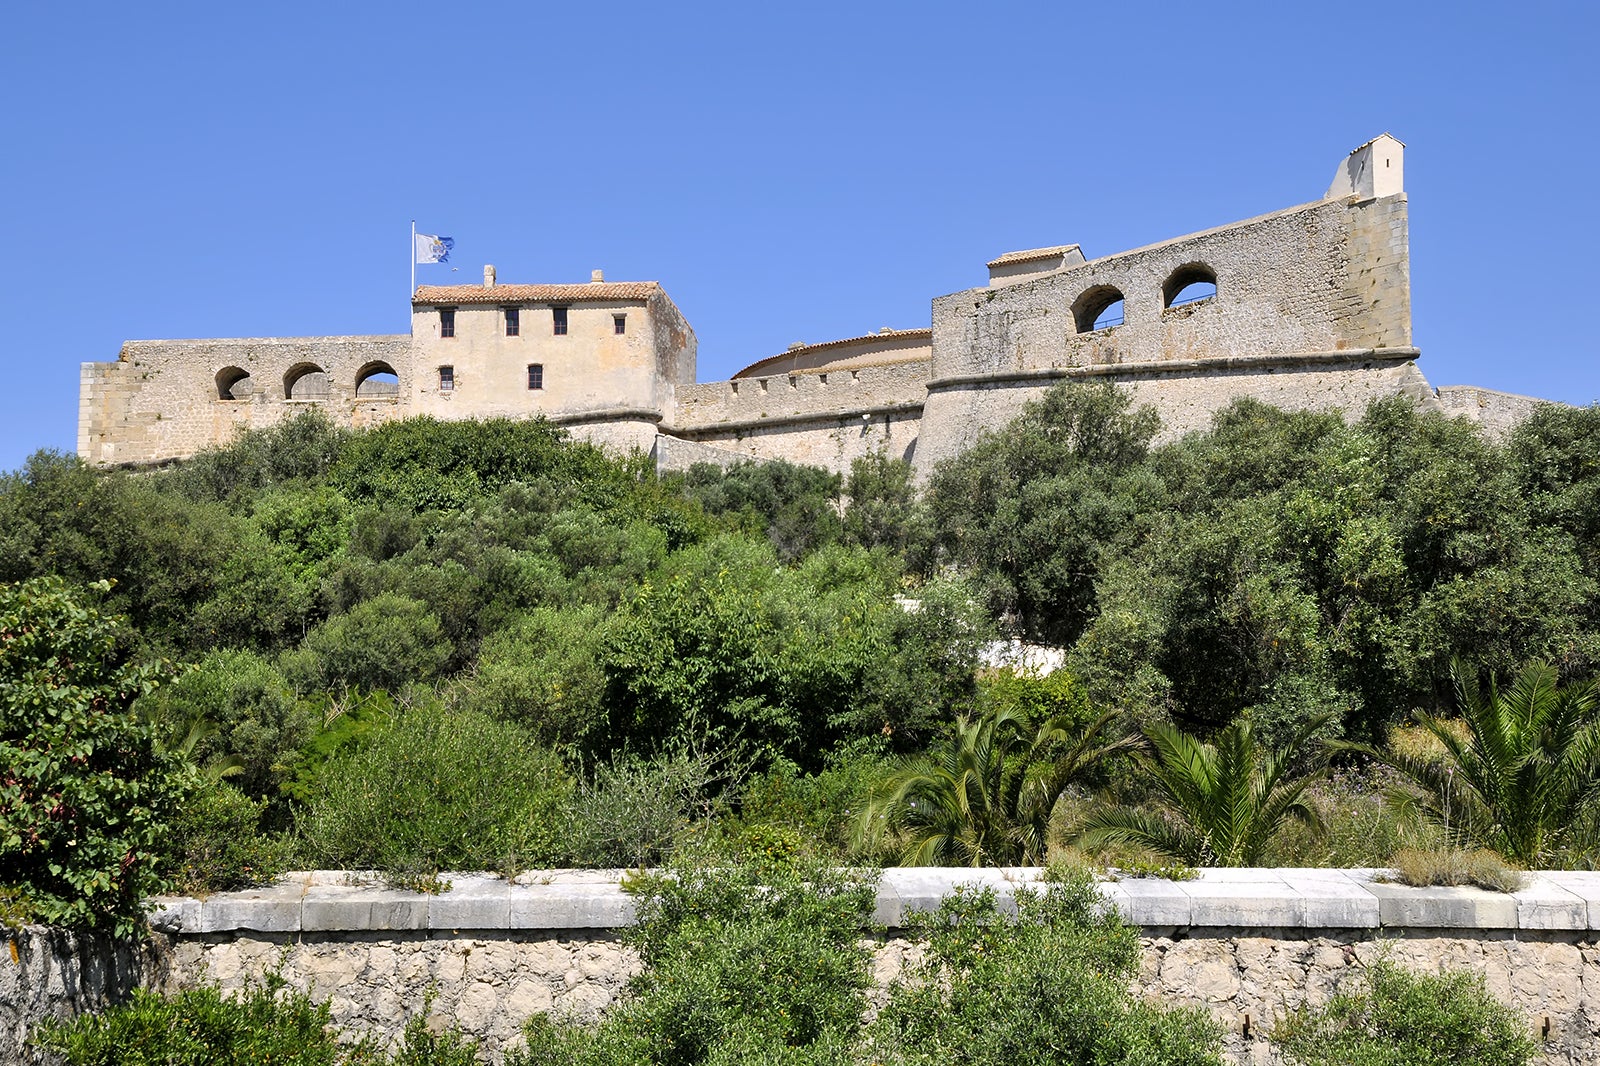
<point>1245,944</point>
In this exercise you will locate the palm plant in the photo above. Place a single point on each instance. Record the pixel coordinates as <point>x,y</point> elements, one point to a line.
<point>1216,804</point>
<point>987,797</point>
<point>1523,775</point>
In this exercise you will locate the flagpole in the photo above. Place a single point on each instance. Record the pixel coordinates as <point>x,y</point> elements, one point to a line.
<point>413,257</point>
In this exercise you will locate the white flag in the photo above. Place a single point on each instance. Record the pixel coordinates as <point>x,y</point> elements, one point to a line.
<point>432,249</point>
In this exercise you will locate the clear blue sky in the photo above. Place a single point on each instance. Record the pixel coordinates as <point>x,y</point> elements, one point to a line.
<point>789,172</point>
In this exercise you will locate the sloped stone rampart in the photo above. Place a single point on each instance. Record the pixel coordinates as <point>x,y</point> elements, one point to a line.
<point>1245,944</point>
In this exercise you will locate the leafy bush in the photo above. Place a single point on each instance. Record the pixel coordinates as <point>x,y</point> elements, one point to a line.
<point>794,505</point>
<point>1049,986</point>
<point>1405,1019</point>
<point>254,712</point>
<point>265,1025</point>
<point>742,964</point>
<point>384,642</point>
<point>439,790</point>
<point>543,672</point>
<point>632,811</point>
<point>85,791</point>
<point>217,845</point>
<point>822,807</point>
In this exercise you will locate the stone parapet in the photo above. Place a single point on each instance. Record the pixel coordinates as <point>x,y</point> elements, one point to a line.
<point>1279,899</point>
<point>1246,945</point>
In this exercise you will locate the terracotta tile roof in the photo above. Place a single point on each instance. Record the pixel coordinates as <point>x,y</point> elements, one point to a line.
<point>1031,254</point>
<point>923,335</point>
<point>510,294</point>
<point>881,335</point>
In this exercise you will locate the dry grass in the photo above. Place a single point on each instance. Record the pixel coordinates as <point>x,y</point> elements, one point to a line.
<point>1423,867</point>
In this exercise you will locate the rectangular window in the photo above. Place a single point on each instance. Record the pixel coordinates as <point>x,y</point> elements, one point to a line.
<point>535,375</point>
<point>559,316</point>
<point>447,321</point>
<point>619,324</point>
<point>447,378</point>
<point>513,321</point>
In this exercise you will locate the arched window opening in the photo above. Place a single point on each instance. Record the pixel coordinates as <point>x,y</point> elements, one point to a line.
<point>305,381</point>
<point>1189,284</point>
<point>377,381</point>
<point>234,384</point>
<point>1099,308</point>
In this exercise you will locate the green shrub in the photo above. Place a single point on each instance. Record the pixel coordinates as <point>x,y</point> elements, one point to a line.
<point>265,1025</point>
<point>742,964</point>
<point>85,791</point>
<point>633,811</point>
<point>385,642</point>
<point>1406,1019</point>
<point>543,672</point>
<point>439,790</point>
<point>821,807</point>
<point>1049,986</point>
<point>217,844</point>
<point>256,716</point>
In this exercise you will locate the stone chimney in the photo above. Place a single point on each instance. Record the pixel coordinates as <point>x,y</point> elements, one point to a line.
<point>488,276</point>
<point>596,276</point>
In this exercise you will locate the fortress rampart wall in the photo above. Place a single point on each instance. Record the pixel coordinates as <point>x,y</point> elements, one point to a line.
<point>824,417</point>
<point>1496,413</point>
<point>163,399</point>
<point>728,406</point>
<point>1305,308</point>
<point>1311,310</point>
<point>1321,277</point>
<point>1185,393</point>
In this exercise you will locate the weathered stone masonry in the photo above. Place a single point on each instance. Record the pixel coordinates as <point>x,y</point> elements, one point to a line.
<point>1308,307</point>
<point>1244,944</point>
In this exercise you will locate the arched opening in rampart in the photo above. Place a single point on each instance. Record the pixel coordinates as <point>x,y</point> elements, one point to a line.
<point>1099,308</point>
<point>1189,284</point>
<point>233,383</point>
<point>305,381</point>
<point>377,381</point>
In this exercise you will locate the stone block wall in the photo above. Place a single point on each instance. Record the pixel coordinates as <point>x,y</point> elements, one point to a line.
<point>825,418</point>
<point>1495,413</point>
<point>1326,276</point>
<point>1187,394</point>
<point>160,400</point>
<point>1247,945</point>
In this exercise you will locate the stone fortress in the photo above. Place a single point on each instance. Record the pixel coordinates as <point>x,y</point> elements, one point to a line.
<point>1307,307</point>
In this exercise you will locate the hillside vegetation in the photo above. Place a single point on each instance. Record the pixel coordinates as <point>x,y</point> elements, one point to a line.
<point>441,645</point>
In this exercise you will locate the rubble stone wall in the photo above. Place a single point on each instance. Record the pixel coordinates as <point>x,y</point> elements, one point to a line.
<point>1247,945</point>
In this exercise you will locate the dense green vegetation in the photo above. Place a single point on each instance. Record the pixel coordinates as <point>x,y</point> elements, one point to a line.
<point>1406,1019</point>
<point>432,645</point>
<point>267,1025</point>
<point>1289,640</point>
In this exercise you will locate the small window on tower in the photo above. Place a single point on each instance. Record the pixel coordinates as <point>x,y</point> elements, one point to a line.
<point>559,316</point>
<point>619,324</point>
<point>447,321</point>
<point>447,379</point>
<point>535,375</point>
<point>513,321</point>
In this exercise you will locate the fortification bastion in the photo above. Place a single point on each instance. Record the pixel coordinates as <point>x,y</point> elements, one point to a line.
<point>1306,308</point>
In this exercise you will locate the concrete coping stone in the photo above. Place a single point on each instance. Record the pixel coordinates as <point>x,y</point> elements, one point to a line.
<point>354,901</point>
